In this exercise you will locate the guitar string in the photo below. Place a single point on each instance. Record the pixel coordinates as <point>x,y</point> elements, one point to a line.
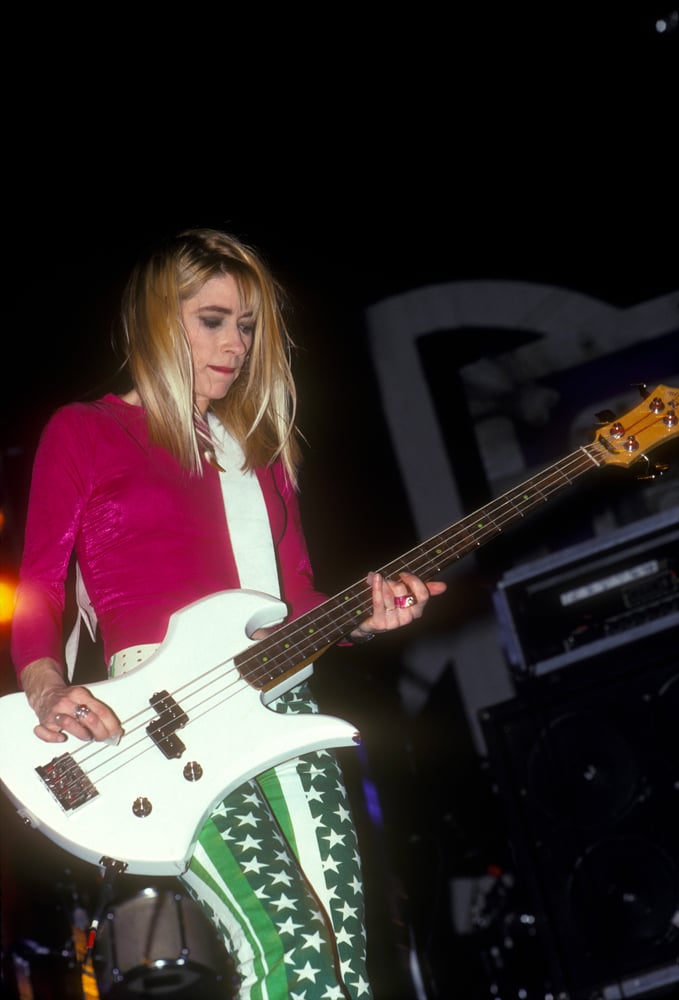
<point>580,461</point>
<point>553,479</point>
<point>460,539</point>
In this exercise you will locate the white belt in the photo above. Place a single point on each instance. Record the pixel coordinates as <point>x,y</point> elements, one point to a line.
<point>127,659</point>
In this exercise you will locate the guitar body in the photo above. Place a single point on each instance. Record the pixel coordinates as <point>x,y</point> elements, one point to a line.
<point>148,809</point>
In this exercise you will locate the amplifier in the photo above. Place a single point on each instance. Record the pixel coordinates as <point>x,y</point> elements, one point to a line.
<point>593,597</point>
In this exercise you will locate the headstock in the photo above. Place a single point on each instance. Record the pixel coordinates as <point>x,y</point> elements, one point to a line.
<point>651,423</point>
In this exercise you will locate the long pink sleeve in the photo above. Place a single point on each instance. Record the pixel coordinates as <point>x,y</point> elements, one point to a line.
<point>148,537</point>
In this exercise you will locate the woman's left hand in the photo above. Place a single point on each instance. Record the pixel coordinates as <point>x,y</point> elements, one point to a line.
<point>396,603</point>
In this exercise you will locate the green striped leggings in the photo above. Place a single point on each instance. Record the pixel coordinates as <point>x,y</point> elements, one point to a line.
<point>277,870</point>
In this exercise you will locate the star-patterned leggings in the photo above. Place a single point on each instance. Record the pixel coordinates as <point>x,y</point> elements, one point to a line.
<point>277,870</point>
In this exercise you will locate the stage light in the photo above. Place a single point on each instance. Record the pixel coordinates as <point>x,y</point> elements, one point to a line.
<point>8,585</point>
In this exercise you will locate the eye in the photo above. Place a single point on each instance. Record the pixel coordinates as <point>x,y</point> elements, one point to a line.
<point>246,329</point>
<point>212,322</point>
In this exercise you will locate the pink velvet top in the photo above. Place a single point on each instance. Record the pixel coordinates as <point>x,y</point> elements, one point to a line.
<point>149,537</point>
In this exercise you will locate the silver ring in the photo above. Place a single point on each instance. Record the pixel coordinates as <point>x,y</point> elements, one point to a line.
<point>81,711</point>
<point>406,601</point>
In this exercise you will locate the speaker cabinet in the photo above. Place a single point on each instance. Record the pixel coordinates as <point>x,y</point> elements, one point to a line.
<point>586,762</point>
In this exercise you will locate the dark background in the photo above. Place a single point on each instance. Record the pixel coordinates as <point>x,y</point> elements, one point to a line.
<point>364,159</point>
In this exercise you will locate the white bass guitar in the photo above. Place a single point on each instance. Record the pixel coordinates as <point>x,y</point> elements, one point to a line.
<point>194,714</point>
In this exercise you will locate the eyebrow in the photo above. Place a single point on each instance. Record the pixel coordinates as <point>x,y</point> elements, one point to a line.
<point>225,311</point>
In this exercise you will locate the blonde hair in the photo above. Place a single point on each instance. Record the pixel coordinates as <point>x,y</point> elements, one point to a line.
<point>260,408</point>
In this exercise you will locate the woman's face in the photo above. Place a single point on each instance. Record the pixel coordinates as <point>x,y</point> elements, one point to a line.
<point>220,332</point>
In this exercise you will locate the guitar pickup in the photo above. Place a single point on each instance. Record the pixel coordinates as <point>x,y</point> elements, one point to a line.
<point>67,782</point>
<point>163,729</point>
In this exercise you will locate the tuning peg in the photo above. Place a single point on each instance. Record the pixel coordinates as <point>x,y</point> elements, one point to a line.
<point>653,469</point>
<point>643,389</point>
<point>606,416</point>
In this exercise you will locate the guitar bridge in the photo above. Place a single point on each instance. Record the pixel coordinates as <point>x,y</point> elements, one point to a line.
<point>67,782</point>
<point>163,729</point>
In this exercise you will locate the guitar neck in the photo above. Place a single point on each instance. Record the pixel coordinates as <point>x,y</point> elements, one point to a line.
<point>296,644</point>
<point>623,442</point>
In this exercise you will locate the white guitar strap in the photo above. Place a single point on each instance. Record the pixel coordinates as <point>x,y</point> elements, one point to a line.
<point>252,543</point>
<point>246,516</point>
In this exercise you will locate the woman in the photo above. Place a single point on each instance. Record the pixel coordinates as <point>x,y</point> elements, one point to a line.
<point>183,487</point>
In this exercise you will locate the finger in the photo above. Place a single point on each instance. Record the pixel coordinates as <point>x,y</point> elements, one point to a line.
<point>382,601</point>
<point>421,591</point>
<point>49,734</point>
<point>414,585</point>
<point>88,719</point>
<point>405,601</point>
<point>97,721</point>
<point>385,601</point>
<point>399,597</point>
<point>381,593</point>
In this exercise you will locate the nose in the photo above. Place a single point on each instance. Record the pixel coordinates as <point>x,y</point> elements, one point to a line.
<point>233,341</point>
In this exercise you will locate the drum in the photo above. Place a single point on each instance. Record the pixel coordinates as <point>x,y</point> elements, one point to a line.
<point>159,943</point>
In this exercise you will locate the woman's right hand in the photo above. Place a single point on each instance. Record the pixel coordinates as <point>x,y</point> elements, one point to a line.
<point>64,709</point>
